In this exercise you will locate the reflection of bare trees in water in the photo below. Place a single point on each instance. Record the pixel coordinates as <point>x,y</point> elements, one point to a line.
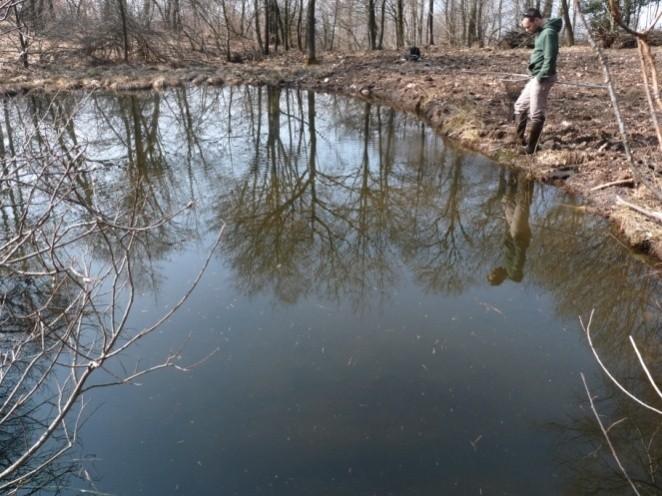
<point>623,295</point>
<point>307,224</point>
<point>64,310</point>
<point>340,224</point>
<point>304,222</point>
<point>301,222</point>
<point>27,396</point>
<point>620,442</point>
<point>635,436</point>
<point>439,233</point>
<point>625,419</point>
<point>585,268</point>
<point>90,202</point>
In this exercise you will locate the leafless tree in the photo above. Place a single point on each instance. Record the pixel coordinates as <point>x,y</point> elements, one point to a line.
<point>639,398</point>
<point>648,67</point>
<point>156,29</point>
<point>641,169</point>
<point>65,312</point>
<point>310,32</point>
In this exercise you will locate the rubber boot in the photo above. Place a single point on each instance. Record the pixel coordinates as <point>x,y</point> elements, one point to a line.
<point>520,128</point>
<point>534,135</point>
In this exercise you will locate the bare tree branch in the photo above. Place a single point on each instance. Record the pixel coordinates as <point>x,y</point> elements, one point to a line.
<point>606,435</point>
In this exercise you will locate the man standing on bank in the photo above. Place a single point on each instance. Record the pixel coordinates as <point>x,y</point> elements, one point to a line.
<point>532,101</point>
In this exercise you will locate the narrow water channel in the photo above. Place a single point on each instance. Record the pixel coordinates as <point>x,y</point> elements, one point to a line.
<point>391,315</point>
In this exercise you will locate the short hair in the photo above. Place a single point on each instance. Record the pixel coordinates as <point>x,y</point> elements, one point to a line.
<point>532,14</point>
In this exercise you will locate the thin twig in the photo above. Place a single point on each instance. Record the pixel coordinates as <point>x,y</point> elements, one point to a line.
<point>657,216</point>
<point>606,435</point>
<point>613,183</point>
<point>636,170</point>
<point>587,330</point>
<point>523,77</point>
<point>643,366</point>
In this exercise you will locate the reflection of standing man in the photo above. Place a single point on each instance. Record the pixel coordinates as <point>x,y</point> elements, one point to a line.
<point>532,101</point>
<point>516,202</point>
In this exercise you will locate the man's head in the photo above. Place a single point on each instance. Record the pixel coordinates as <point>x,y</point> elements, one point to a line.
<point>532,20</point>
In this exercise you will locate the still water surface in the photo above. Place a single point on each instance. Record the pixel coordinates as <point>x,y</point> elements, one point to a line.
<point>393,316</point>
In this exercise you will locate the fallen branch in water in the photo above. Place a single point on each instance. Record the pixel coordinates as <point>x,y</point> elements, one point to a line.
<point>645,368</point>
<point>587,330</point>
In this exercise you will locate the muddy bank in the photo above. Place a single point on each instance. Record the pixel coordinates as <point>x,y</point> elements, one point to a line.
<point>464,94</point>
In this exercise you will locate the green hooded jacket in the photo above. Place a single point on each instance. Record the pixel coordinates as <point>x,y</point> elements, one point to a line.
<point>542,63</point>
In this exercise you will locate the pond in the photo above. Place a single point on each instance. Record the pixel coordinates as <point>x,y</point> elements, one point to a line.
<point>385,314</point>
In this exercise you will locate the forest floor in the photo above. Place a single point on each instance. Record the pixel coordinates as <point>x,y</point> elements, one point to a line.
<point>466,94</point>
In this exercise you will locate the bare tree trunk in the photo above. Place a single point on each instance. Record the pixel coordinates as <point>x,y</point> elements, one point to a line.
<point>176,15</point>
<point>645,57</point>
<point>310,33</point>
<point>22,39</point>
<point>421,22</point>
<point>286,26</point>
<point>448,17</point>
<point>627,13</point>
<point>463,13</point>
<point>333,26</point>
<point>413,23</point>
<point>400,25</point>
<point>382,23</point>
<point>267,22</point>
<point>227,31</point>
<point>278,27</point>
<point>431,23</point>
<point>480,26</point>
<point>568,24</point>
<point>312,155</point>
<point>472,25</point>
<point>147,12</point>
<point>500,17</point>
<point>372,25</point>
<point>547,8</point>
<point>258,31</point>
<point>482,22</point>
<point>242,19</point>
<point>125,34</point>
<point>300,26</point>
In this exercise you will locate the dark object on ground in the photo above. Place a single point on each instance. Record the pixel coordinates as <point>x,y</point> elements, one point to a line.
<point>625,41</point>
<point>621,39</point>
<point>413,54</point>
<point>516,38</point>
<point>236,58</point>
<point>561,174</point>
<point>617,40</point>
